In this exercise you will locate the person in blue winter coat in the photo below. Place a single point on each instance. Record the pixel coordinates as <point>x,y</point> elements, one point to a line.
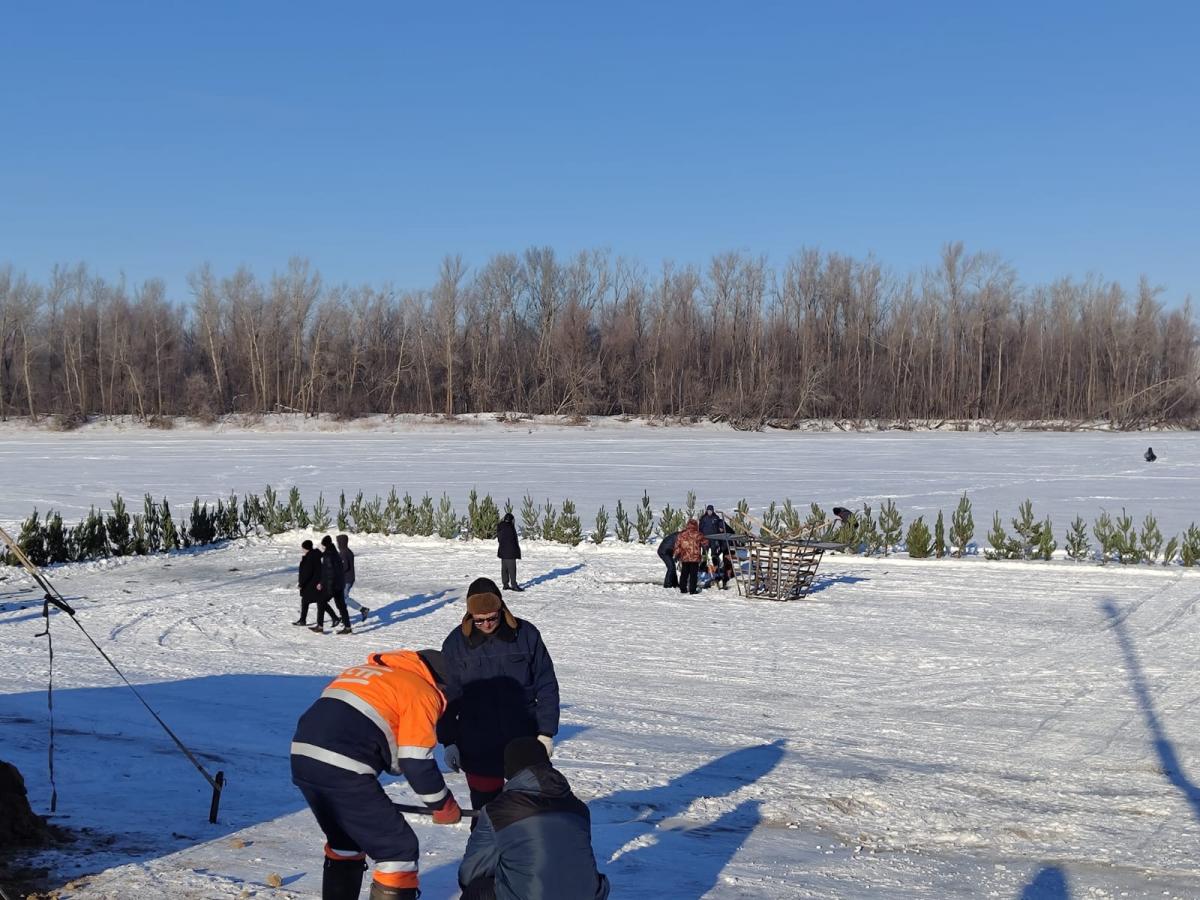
<point>534,841</point>
<point>500,685</point>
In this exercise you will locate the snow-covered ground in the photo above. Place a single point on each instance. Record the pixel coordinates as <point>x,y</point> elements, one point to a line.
<point>914,729</point>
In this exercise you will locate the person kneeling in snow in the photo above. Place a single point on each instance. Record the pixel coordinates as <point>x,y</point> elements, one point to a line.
<point>535,839</point>
<point>379,716</point>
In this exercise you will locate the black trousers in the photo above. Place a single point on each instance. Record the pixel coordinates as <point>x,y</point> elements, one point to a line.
<point>689,572</point>
<point>672,579</point>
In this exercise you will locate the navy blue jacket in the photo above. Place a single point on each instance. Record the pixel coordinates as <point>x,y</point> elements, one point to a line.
<point>499,687</point>
<point>710,523</point>
<point>667,547</point>
<point>535,840</point>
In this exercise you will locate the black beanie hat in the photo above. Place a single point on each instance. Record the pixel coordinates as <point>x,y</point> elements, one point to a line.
<point>484,586</point>
<point>435,662</point>
<point>523,752</point>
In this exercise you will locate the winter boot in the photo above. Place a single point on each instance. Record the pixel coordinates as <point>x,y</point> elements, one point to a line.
<point>300,622</point>
<point>365,611</point>
<point>383,892</point>
<point>517,588</point>
<point>342,879</point>
<point>318,629</point>
<point>345,629</point>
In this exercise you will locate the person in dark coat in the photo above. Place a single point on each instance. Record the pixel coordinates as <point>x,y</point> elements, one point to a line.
<point>666,552</point>
<point>334,577</point>
<point>509,552</point>
<point>534,840</point>
<point>311,586</point>
<point>500,685</point>
<point>1149,455</point>
<point>711,523</point>
<point>347,555</point>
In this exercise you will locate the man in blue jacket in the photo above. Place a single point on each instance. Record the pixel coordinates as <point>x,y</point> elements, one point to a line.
<point>500,685</point>
<point>534,841</point>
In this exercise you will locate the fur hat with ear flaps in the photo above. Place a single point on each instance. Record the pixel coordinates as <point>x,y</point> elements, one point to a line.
<point>483,597</point>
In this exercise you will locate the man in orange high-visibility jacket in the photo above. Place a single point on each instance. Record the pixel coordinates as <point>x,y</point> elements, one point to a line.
<point>380,716</point>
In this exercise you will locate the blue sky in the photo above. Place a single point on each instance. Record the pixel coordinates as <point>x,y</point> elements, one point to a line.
<point>147,138</point>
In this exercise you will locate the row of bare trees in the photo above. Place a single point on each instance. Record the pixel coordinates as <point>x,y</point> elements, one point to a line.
<point>825,336</point>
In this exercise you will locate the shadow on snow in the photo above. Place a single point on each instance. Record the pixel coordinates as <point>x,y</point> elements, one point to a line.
<point>640,835</point>
<point>1049,884</point>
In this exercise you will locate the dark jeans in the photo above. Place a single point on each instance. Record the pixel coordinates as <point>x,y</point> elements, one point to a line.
<point>322,608</point>
<point>689,571</point>
<point>339,600</point>
<point>672,579</point>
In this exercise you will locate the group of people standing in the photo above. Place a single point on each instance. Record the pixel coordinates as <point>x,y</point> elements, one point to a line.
<point>328,575</point>
<point>698,544</point>
<point>490,696</point>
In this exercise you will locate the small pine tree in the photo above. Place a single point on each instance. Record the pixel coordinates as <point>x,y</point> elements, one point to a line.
<point>484,517</point>
<point>32,540</point>
<point>1127,547</point>
<point>232,524</point>
<point>939,536</point>
<point>645,519</point>
<point>531,518</point>
<point>1003,547</point>
<point>601,529</point>
<point>1151,538</point>
<point>406,521</point>
<point>472,512</point>
<point>789,519</point>
<point>670,520</point>
<point>1189,548</point>
<point>771,521</point>
<point>550,522</point>
<point>816,519</point>
<point>117,526</point>
<point>170,535</point>
<point>868,536</point>
<point>741,517</point>
<point>393,511</point>
<point>690,505</point>
<point>624,526</point>
<point>1078,546</point>
<point>137,543</point>
<point>570,529</point>
<point>1104,534</point>
<point>1170,550</point>
<point>962,526</point>
<point>917,540</point>
<point>250,517</point>
<point>446,520</point>
<point>423,522</point>
<point>1046,544</point>
<point>508,507</point>
<point>200,529</point>
<point>296,511</point>
<point>57,540</point>
<point>321,517</point>
<point>150,514</point>
<point>1027,529</point>
<point>891,525</point>
<point>343,519</point>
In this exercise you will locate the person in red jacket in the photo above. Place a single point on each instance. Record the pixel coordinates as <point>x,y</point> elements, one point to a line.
<point>379,716</point>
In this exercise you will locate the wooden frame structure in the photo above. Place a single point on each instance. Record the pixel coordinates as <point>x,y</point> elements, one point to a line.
<point>774,568</point>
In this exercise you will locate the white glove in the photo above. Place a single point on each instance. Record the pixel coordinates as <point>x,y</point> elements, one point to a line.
<point>453,758</point>
<point>548,743</point>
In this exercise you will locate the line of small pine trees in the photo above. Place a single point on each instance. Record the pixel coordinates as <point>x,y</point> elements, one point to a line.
<point>155,529</point>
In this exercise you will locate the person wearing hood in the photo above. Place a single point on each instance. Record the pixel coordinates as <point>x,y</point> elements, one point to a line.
<point>380,716</point>
<point>333,573</point>
<point>509,551</point>
<point>535,839</point>
<point>689,550</point>
<point>500,685</point>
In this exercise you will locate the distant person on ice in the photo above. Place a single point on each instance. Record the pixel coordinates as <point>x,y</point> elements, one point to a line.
<point>666,552</point>
<point>1149,455</point>
<point>311,587</point>
<point>347,555</point>
<point>500,685</point>
<point>377,717</point>
<point>689,550</point>
<point>534,840</point>
<point>509,551</point>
